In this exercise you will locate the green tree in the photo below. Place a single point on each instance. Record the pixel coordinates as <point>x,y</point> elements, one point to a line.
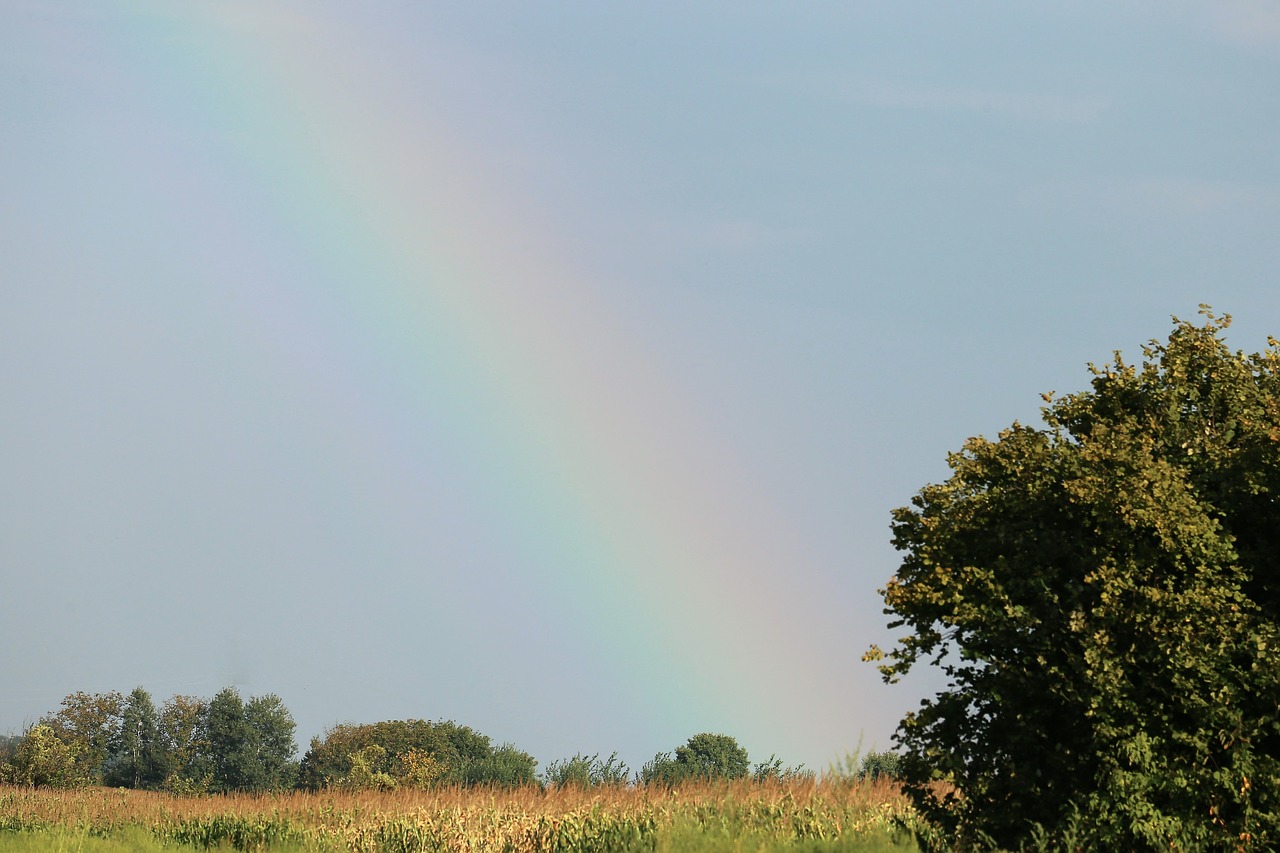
<point>363,776</point>
<point>43,759</point>
<point>714,756</point>
<point>250,744</point>
<point>416,753</point>
<point>184,727</point>
<point>704,756</point>
<point>138,756</point>
<point>504,767</point>
<point>1102,595</point>
<point>272,730</point>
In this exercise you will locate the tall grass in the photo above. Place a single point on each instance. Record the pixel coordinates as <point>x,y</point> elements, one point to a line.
<point>740,816</point>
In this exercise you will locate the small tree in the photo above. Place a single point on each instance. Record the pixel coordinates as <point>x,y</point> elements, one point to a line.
<point>880,765</point>
<point>43,759</point>
<point>274,748</point>
<point>704,756</point>
<point>1103,595</point>
<point>184,727</point>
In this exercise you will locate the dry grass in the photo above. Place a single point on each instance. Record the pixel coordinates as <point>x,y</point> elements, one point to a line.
<point>471,819</point>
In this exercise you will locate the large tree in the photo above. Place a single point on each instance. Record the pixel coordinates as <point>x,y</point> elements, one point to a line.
<point>138,756</point>
<point>1102,593</point>
<point>184,727</point>
<point>89,723</point>
<point>250,743</point>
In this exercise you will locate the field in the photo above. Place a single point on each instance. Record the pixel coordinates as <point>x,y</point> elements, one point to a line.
<point>807,816</point>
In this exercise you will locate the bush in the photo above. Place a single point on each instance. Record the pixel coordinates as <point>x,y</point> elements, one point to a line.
<point>587,772</point>
<point>773,771</point>
<point>41,759</point>
<point>505,767</point>
<point>880,765</point>
<point>363,776</point>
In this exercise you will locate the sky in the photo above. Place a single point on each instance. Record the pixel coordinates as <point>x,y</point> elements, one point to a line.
<point>554,367</point>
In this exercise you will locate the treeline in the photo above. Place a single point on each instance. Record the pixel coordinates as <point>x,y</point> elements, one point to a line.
<point>191,745</point>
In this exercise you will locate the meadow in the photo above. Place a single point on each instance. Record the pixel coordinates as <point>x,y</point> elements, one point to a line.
<point>824,815</point>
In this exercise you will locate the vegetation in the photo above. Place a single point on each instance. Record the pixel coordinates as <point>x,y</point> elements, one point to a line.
<point>587,772</point>
<point>413,754</point>
<point>250,743</point>
<point>225,745</point>
<point>189,746</point>
<point>1103,594</point>
<point>880,765</point>
<point>730,816</point>
<point>704,756</point>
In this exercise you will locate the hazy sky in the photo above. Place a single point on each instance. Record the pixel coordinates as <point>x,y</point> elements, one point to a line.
<point>553,367</point>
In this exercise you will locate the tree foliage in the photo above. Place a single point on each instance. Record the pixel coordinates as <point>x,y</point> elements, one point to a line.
<point>43,759</point>
<point>703,756</point>
<point>184,728</point>
<point>138,758</point>
<point>410,753</point>
<point>251,743</point>
<point>587,771</point>
<point>89,723</point>
<point>1102,594</point>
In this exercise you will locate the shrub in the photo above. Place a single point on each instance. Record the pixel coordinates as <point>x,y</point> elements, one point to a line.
<point>587,772</point>
<point>42,759</point>
<point>880,765</point>
<point>505,767</point>
<point>773,771</point>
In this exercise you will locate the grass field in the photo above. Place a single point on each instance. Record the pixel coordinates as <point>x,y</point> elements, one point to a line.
<point>805,816</point>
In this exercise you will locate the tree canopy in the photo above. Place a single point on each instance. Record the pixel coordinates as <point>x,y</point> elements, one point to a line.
<point>703,756</point>
<point>1102,593</point>
<point>408,753</point>
<point>251,742</point>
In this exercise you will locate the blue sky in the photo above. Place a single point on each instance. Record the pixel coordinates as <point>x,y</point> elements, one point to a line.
<point>810,248</point>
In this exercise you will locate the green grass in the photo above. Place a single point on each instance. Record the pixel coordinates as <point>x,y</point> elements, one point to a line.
<point>131,840</point>
<point>693,838</point>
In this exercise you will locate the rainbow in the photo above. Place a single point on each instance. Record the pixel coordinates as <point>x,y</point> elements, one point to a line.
<point>450,324</point>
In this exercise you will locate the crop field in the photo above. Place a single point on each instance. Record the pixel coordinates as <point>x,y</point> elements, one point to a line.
<point>741,816</point>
